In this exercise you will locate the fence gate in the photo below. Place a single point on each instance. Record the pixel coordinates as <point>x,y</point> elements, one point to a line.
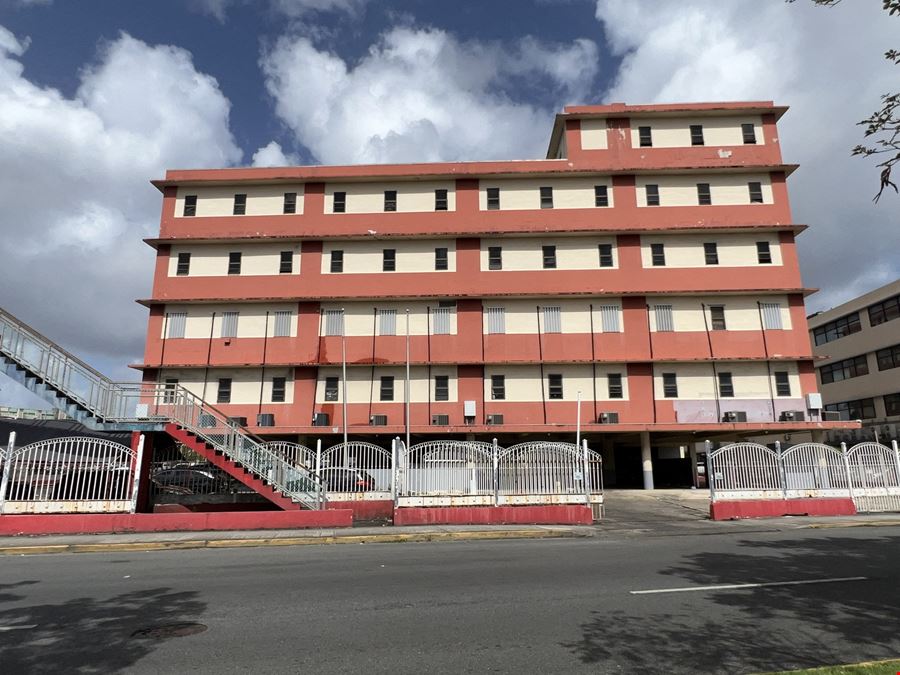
<point>875,477</point>
<point>549,472</point>
<point>355,471</point>
<point>446,473</point>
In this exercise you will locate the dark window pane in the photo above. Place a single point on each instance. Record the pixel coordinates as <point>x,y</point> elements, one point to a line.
<point>234,262</point>
<point>549,254</point>
<point>387,388</point>
<point>555,389</point>
<point>331,389</point>
<point>498,387</point>
<point>652,194</point>
<point>726,385</point>
<point>290,202</point>
<point>278,389</point>
<point>749,133</point>
<point>390,200</point>
<point>658,254</point>
<point>644,137</point>
<point>340,202</point>
<point>606,255</point>
<point>493,198</point>
<point>717,316</point>
<point>696,134</point>
<point>224,393</point>
<point>286,264</point>
<point>337,262</point>
<point>389,260</point>
<point>763,253</point>
<point>240,205</point>
<point>440,200</point>
<point>756,195</point>
<point>442,388</point>
<point>670,385</point>
<point>704,196</point>
<point>546,197</point>
<point>614,384</point>
<point>190,205</point>
<point>601,196</point>
<point>711,253</point>
<point>782,383</point>
<point>184,264</point>
<point>495,258</point>
<point>441,259</point>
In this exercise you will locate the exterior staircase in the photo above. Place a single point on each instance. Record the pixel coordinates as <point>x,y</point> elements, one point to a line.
<point>70,385</point>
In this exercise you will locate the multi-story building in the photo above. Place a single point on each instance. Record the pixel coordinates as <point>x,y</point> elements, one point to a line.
<point>859,371</point>
<point>647,267</point>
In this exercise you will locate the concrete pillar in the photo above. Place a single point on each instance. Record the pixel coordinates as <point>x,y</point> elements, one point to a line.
<point>818,436</point>
<point>646,461</point>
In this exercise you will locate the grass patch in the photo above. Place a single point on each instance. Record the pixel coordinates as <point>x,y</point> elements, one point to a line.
<point>891,667</point>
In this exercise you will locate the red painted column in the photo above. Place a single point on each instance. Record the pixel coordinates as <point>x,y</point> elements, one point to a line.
<point>618,138</point>
<point>314,199</point>
<point>168,212</point>
<point>467,196</point>
<point>574,150</point>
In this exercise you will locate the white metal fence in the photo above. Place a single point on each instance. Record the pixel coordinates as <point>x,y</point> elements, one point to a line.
<point>868,473</point>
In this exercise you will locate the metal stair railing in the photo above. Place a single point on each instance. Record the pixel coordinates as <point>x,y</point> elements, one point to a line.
<point>110,401</point>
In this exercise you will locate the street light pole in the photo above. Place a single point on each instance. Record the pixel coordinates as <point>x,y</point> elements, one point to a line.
<point>406,396</point>
<point>578,422</point>
<point>344,376</point>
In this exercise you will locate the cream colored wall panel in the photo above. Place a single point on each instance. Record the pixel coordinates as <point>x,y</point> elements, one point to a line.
<point>360,318</point>
<point>367,257</point>
<point>603,371</point>
<point>412,196</point>
<point>262,200</point>
<point>735,250</point>
<point>251,320</point>
<point>525,193</point>
<point>741,312</point>
<point>675,132</point>
<point>363,388</point>
<point>244,383</point>
<point>725,189</point>
<point>211,260</point>
<point>593,134</point>
<point>750,380</point>
<point>525,254</point>
<point>524,384</point>
<point>522,316</point>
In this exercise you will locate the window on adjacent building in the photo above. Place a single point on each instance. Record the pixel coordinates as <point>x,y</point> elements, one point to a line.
<point>601,195</point>
<point>658,255</point>
<point>763,253</point>
<point>498,387</point>
<point>279,387</point>
<point>441,259</point>
<point>645,139</point>
<point>717,317</point>
<point>665,322</point>
<point>888,357</point>
<point>882,312</point>
<point>387,321</point>
<point>771,314</point>
<point>496,320</point>
<point>440,200</point>
<point>748,131</point>
<point>282,323</point>
<point>834,330</point>
<point>390,200</point>
<point>441,387</point>
<point>230,324</point>
<point>176,324</point>
<point>290,202</point>
<point>184,264</point>
<point>892,404</point>
<point>552,319</point>
<point>652,191</point>
<point>711,253</point>
<point>704,196</point>
<point>546,197</point>
<point>337,262</point>
<point>549,257</point>
<point>386,392</point>
<point>670,385</point>
<point>190,205</point>
<point>169,390</point>
<point>493,198</point>
<point>554,386</point>
<point>614,385</point>
<point>240,205</point>
<point>442,320</point>
<point>726,385</point>
<point>389,260</point>
<point>860,409</point>
<point>334,322</point>
<point>696,134</point>
<point>844,370</point>
<point>331,388</point>
<point>495,258</point>
<point>782,383</point>
<point>234,262</point>
<point>755,189</point>
<point>609,318</point>
<point>606,255</point>
<point>223,395</point>
<point>286,263</point>
<point>340,202</point>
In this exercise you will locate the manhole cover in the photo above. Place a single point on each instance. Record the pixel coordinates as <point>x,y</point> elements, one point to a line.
<point>169,630</point>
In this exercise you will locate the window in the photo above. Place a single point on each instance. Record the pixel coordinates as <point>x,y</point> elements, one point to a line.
<point>601,196</point>
<point>658,255</point>
<point>652,191</point>
<point>442,320</point>
<point>860,409</point>
<point>888,358</point>
<point>892,405</point>
<point>496,320</point>
<point>177,322</point>
<point>440,200</point>
<point>498,387</point>
<point>334,322</point>
<point>282,324</point>
<point>495,258</point>
<point>390,200</point>
<point>552,319</point>
<point>717,317</point>
<point>664,320</point>
<point>234,262</point>
<point>441,259</point>
<point>331,389</point>
<point>756,195</point>
<point>726,385</point>
<point>387,388</point>
<point>230,324</point>
<point>337,262</point>
<point>704,196</point>
<point>763,253</point>
<point>696,134</point>
<point>606,255</point>
<point>555,386</point>
<point>644,137</point>
<point>549,253</point>
<point>609,318</point>
<point>546,197</point>
<point>748,131</point>
<point>286,264</point>
<point>493,198</point>
<point>240,205</point>
<point>169,390</point>
<point>670,385</point>
<point>844,370</point>
<point>614,385</point>
<point>290,202</point>
<point>782,383</point>
<point>884,311</point>
<point>711,253</point>
<point>224,393</point>
<point>771,314</point>
<point>279,386</point>
<point>190,205</point>
<point>340,202</point>
<point>184,264</point>
<point>387,321</point>
<point>389,260</point>
<point>834,330</point>
<point>441,387</point>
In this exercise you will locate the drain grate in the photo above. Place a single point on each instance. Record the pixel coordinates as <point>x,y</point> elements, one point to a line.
<point>169,630</point>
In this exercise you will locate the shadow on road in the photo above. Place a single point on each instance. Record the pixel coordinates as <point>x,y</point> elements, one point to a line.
<point>86,635</point>
<point>760,629</point>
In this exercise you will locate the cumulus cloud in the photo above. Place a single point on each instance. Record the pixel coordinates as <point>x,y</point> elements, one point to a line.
<point>827,64</point>
<point>273,155</point>
<point>294,9</point>
<point>423,95</point>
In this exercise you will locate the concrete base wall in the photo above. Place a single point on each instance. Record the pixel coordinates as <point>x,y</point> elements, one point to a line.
<point>495,515</point>
<point>382,509</point>
<point>775,508</point>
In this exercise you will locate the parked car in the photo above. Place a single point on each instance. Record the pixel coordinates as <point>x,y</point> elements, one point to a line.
<point>187,481</point>
<point>337,479</point>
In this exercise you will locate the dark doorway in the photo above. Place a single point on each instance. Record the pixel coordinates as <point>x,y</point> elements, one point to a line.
<point>628,467</point>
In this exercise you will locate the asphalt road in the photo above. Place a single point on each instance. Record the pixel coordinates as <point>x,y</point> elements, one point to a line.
<point>536,606</point>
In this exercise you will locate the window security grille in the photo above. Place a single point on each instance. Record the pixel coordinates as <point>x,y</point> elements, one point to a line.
<point>665,322</point>
<point>609,318</point>
<point>552,319</point>
<point>334,322</point>
<point>282,324</point>
<point>696,134</point>
<point>658,255</point>
<point>442,320</point>
<point>177,323</point>
<point>387,321</point>
<point>229,324</point>
<point>771,312</point>
<point>496,320</point>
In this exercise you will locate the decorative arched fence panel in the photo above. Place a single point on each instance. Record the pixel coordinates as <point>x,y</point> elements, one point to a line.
<point>446,473</point>
<point>549,472</point>
<point>355,471</point>
<point>745,471</point>
<point>70,475</point>
<point>875,476</point>
<point>814,470</point>
<point>293,453</point>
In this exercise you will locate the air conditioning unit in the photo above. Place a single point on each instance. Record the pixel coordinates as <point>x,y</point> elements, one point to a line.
<point>265,420</point>
<point>378,420</point>
<point>792,416</point>
<point>320,419</point>
<point>440,420</point>
<point>608,418</point>
<point>734,416</point>
<point>495,419</point>
<point>240,421</point>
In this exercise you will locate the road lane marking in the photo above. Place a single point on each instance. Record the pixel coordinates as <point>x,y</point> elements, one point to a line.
<point>728,587</point>
<point>7,628</point>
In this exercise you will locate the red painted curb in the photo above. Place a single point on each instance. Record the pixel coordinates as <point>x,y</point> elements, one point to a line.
<point>495,515</point>
<point>775,508</point>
